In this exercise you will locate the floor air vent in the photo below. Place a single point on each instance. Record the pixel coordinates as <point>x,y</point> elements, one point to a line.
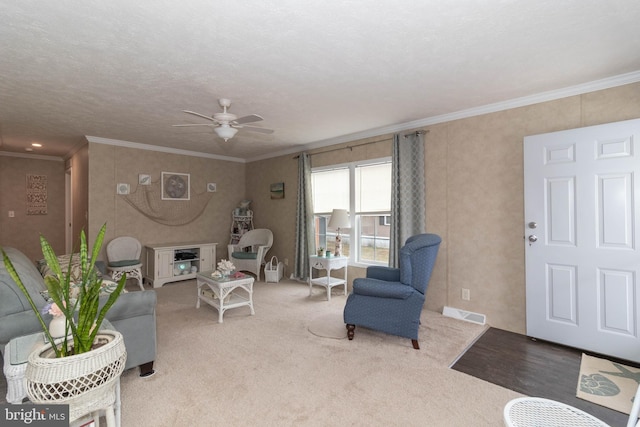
<point>469,316</point>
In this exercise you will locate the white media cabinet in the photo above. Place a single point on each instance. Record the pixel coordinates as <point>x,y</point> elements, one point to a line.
<point>172,262</point>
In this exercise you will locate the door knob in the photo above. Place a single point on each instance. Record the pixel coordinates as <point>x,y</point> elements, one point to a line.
<point>532,239</point>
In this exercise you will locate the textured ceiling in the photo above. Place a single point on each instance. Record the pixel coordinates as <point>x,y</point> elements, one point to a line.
<point>317,71</point>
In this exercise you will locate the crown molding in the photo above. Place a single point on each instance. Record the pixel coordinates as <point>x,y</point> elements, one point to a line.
<point>608,83</point>
<point>129,144</point>
<point>31,156</point>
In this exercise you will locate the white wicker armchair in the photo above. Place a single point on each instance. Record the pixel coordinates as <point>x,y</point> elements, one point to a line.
<point>249,253</point>
<point>123,255</point>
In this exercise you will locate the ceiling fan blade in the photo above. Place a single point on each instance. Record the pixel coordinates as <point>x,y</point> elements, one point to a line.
<point>256,129</point>
<point>248,119</point>
<point>195,124</point>
<point>200,115</point>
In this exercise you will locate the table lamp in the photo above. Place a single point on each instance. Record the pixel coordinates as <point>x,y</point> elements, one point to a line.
<point>339,219</point>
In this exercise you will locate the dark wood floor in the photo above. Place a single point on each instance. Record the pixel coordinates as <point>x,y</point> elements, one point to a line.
<point>534,368</point>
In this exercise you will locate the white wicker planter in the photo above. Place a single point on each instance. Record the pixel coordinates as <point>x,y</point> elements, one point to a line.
<point>86,382</point>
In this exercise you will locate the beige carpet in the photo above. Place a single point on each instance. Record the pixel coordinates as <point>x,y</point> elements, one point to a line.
<point>269,370</point>
<point>328,325</point>
<point>608,384</point>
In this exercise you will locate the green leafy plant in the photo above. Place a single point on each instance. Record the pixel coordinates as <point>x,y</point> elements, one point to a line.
<point>87,303</point>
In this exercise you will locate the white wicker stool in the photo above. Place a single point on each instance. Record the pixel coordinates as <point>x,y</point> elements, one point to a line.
<point>538,412</point>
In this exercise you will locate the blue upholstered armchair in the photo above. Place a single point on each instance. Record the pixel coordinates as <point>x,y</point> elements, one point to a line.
<point>391,299</point>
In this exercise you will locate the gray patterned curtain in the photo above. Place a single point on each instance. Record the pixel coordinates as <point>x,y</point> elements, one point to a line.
<point>408,200</point>
<point>304,219</point>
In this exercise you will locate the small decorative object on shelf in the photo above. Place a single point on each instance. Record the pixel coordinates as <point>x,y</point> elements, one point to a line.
<point>242,221</point>
<point>321,252</point>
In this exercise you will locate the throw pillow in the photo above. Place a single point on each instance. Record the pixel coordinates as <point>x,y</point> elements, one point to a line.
<point>107,287</point>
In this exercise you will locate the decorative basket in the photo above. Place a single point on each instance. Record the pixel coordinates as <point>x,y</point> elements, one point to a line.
<point>86,382</point>
<point>273,270</point>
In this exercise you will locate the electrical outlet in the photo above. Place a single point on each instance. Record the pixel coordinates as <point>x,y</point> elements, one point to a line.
<point>286,261</point>
<point>12,214</point>
<point>466,294</point>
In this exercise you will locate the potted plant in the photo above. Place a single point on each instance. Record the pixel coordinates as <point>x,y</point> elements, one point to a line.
<point>321,251</point>
<point>82,367</point>
<point>83,297</point>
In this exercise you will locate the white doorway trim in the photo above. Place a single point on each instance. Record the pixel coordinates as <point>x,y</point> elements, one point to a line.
<point>68,210</point>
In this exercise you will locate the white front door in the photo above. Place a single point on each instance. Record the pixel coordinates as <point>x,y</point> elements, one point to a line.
<point>582,209</point>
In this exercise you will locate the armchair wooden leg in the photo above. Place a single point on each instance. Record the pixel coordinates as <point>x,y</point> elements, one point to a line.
<point>350,331</point>
<point>415,344</point>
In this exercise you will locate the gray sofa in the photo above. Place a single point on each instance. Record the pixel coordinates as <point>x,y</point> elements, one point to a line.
<point>133,314</point>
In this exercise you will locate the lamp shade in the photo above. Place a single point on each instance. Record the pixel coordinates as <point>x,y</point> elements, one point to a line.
<point>225,131</point>
<point>339,219</point>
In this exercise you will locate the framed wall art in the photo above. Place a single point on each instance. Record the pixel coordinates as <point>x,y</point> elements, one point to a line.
<point>176,186</point>
<point>277,190</point>
<point>36,194</point>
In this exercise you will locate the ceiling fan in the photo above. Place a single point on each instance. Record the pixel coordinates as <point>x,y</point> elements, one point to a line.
<point>225,124</point>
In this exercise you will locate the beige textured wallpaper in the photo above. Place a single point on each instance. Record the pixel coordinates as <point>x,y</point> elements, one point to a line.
<point>23,231</point>
<point>110,165</point>
<point>484,226</point>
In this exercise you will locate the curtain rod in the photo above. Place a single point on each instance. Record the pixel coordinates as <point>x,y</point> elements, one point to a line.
<point>351,147</point>
<point>416,133</point>
<point>348,147</point>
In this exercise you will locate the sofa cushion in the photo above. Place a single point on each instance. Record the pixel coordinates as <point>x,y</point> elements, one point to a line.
<point>381,288</point>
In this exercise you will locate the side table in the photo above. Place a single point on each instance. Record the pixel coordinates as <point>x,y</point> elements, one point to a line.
<point>222,296</point>
<point>327,263</point>
<point>15,364</point>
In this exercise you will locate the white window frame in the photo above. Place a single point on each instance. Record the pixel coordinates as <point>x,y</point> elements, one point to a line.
<point>353,232</point>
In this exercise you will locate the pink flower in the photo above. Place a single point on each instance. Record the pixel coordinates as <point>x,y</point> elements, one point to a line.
<point>54,310</point>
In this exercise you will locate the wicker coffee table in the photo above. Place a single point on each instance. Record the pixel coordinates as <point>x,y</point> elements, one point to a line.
<point>222,294</point>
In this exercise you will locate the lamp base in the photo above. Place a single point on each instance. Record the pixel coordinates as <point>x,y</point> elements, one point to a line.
<point>338,251</point>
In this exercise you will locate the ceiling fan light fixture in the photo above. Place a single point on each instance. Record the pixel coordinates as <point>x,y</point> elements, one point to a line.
<point>225,124</point>
<point>225,132</point>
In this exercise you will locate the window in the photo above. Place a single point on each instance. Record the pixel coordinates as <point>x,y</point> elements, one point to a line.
<point>364,189</point>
